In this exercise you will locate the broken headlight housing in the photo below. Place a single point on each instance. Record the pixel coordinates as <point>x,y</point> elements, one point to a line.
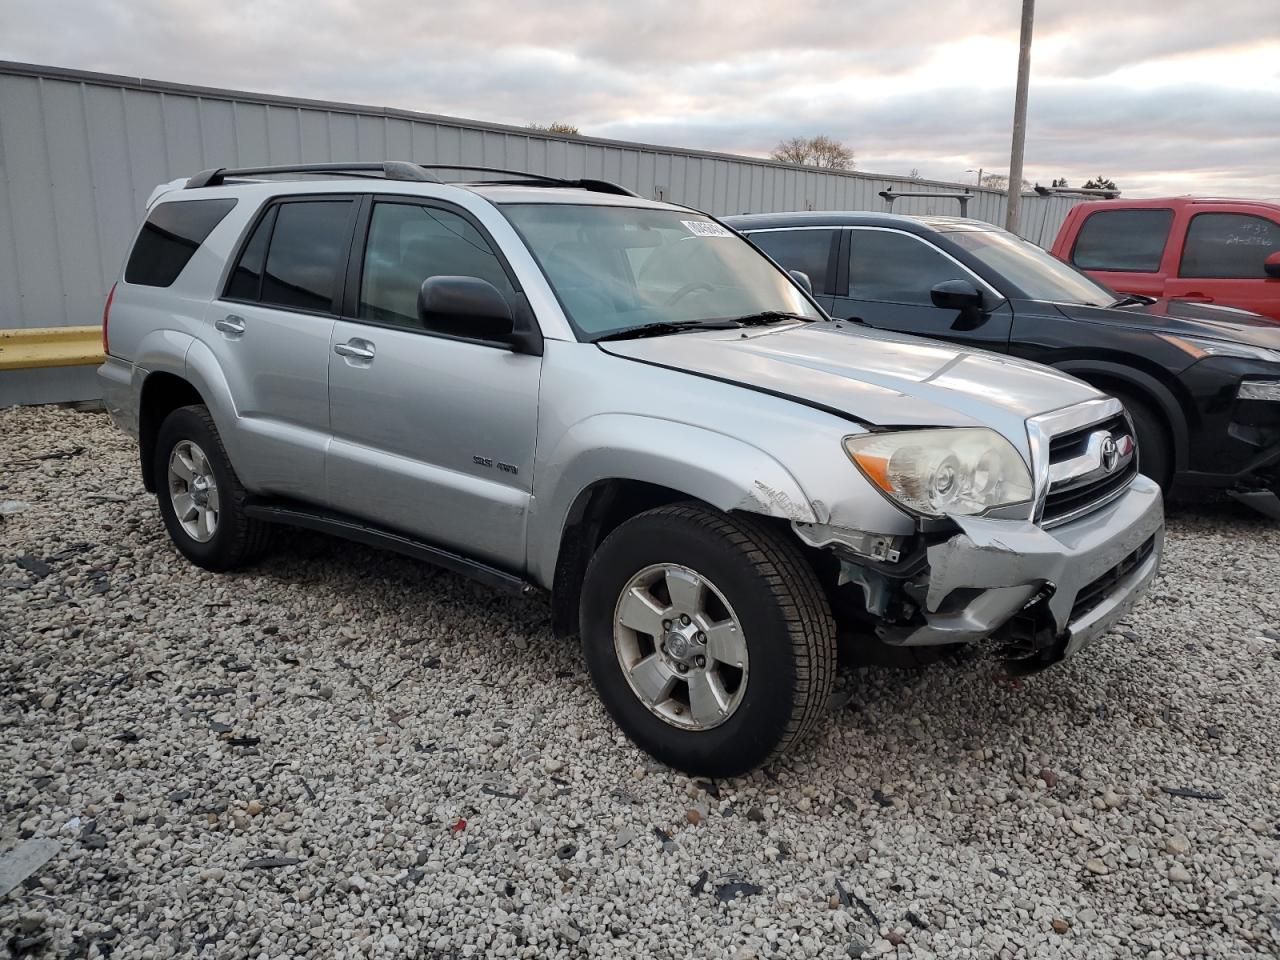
<point>943,472</point>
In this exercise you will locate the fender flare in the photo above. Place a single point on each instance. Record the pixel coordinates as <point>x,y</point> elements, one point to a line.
<point>725,472</point>
<point>203,372</point>
<point>1147,386</point>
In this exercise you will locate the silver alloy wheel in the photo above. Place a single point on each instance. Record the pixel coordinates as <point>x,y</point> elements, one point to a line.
<point>193,490</point>
<point>680,646</point>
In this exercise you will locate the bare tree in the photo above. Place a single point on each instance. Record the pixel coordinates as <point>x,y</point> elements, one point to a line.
<point>1000,181</point>
<point>563,129</point>
<point>1060,182</point>
<point>914,174</point>
<point>819,151</point>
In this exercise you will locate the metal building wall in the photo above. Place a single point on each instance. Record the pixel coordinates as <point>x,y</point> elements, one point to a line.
<point>81,152</point>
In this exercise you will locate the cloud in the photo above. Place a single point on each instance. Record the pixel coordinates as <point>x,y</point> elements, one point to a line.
<point>1167,95</point>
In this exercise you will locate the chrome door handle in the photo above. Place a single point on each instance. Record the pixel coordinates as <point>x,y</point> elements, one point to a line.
<point>354,349</point>
<point>231,325</point>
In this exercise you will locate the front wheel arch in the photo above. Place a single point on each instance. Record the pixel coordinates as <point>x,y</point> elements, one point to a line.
<point>1112,377</point>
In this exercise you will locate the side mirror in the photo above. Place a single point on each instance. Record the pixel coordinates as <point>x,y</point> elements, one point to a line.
<point>802,278</point>
<point>1271,266</point>
<point>465,307</point>
<point>956,295</point>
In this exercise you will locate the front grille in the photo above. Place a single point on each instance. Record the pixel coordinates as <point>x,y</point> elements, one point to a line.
<point>1100,589</point>
<point>1087,486</point>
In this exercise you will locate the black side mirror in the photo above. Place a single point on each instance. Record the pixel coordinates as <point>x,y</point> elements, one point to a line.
<point>1271,266</point>
<point>802,278</point>
<point>956,295</point>
<point>465,307</point>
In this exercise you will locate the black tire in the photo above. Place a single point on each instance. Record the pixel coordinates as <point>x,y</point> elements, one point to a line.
<point>237,539</point>
<point>1155,452</point>
<point>786,624</point>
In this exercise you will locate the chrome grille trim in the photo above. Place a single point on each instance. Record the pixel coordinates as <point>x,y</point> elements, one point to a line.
<point>1064,464</point>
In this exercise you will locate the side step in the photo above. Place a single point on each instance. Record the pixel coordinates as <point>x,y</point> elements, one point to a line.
<point>360,531</point>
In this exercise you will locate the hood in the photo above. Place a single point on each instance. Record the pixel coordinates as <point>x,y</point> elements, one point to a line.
<point>873,376</point>
<point>1190,319</point>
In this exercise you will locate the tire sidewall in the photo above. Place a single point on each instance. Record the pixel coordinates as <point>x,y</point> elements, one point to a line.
<point>1155,458</point>
<point>759,723</point>
<point>186,423</point>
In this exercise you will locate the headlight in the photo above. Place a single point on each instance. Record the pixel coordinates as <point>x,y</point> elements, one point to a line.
<point>1197,347</point>
<point>1259,390</point>
<point>943,471</point>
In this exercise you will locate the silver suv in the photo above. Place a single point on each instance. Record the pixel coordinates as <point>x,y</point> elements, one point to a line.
<point>560,386</point>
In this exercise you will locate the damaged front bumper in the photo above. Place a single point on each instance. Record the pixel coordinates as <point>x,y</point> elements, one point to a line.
<point>1079,579</point>
<point>1045,593</point>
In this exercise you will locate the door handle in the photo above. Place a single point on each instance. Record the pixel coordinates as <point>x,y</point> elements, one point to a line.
<point>1194,298</point>
<point>231,325</point>
<point>355,350</point>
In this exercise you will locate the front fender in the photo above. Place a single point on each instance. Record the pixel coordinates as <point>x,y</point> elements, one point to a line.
<point>723,471</point>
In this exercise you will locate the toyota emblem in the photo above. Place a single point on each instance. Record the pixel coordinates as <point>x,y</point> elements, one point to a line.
<point>1110,454</point>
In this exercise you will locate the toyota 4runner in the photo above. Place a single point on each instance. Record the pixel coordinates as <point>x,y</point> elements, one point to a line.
<point>561,386</point>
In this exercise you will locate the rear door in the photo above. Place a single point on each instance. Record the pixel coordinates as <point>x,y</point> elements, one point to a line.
<point>271,332</point>
<point>433,430</point>
<point>1125,249</point>
<point>885,281</point>
<point>1222,257</point>
<point>811,250</point>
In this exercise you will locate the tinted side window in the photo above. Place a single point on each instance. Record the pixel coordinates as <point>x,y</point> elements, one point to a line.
<point>805,250</point>
<point>410,243</point>
<point>1130,240</point>
<point>170,237</point>
<point>308,254</point>
<point>246,280</point>
<point>896,268</point>
<point>1229,246</point>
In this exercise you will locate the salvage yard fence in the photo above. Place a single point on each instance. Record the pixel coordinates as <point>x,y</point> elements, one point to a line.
<point>81,152</point>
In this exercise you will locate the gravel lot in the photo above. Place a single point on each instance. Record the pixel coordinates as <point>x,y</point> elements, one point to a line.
<point>344,753</point>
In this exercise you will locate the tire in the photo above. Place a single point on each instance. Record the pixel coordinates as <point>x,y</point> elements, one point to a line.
<point>756,577</point>
<point>1155,453</point>
<point>229,539</point>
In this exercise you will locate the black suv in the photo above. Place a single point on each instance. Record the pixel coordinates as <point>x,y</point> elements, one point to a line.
<point>1202,383</point>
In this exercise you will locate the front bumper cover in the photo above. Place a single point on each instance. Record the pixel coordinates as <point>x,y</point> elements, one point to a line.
<point>1087,574</point>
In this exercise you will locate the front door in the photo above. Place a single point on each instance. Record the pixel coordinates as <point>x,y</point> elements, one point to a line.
<point>887,281</point>
<point>433,432</point>
<point>1222,261</point>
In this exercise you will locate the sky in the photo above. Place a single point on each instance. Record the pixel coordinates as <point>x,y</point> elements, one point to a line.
<point>1162,96</point>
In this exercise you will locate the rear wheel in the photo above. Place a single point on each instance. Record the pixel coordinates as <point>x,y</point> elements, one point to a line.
<point>1155,452</point>
<point>708,638</point>
<point>201,498</point>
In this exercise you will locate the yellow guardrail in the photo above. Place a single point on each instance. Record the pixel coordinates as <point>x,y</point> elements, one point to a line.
<point>50,347</point>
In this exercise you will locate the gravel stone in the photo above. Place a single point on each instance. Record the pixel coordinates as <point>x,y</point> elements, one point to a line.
<point>333,712</point>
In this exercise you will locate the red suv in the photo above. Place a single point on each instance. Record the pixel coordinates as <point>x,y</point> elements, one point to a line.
<point>1204,251</point>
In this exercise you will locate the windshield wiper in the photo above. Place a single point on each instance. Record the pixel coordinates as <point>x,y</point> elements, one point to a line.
<point>769,316</point>
<point>1130,299</point>
<point>663,327</point>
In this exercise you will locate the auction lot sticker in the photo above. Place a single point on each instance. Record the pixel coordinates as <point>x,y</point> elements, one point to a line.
<point>705,228</point>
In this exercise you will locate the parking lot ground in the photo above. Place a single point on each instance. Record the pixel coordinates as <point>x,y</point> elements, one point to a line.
<point>342,753</point>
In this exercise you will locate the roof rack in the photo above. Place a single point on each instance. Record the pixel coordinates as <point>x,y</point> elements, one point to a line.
<point>1103,192</point>
<point>962,198</point>
<point>403,170</point>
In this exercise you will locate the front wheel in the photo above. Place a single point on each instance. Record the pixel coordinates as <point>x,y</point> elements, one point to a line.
<point>708,637</point>
<point>1155,454</point>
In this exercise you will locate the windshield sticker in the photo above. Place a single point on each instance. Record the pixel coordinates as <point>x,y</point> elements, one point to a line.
<point>705,228</point>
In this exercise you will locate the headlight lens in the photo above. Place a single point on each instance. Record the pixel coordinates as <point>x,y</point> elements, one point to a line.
<point>943,472</point>
<point>1198,347</point>
<point>1259,390</point>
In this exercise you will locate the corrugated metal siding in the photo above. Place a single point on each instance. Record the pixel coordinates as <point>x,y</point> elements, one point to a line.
<point>80,154</point>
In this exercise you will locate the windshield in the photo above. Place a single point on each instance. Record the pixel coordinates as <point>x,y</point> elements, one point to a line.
<point>1037,274</point>
<point>619,268</point>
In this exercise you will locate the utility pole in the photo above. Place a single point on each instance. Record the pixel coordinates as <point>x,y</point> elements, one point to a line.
<point>1020,117</point>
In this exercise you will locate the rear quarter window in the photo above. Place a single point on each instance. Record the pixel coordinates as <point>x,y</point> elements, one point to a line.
<point>1131,241</point>
<point>170,237</point>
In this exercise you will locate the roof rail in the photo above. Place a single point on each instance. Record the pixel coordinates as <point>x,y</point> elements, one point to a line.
<point>391,169</point>
<point>400,170</point>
